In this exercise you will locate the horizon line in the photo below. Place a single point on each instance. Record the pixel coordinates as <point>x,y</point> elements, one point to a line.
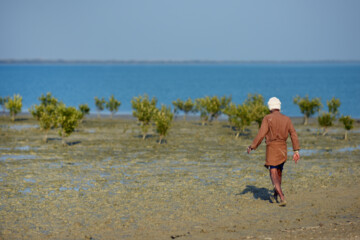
<point>195,61</point>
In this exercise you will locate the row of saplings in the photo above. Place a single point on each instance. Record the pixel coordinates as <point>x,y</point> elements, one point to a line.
<point>253,110</point>
<point>52,114</point>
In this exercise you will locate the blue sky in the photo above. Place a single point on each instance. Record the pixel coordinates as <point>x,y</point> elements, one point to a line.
<point>247,30</point>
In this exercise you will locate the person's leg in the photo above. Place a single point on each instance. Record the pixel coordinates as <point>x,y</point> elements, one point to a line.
<point>279,172</point>
<point>275,176</point>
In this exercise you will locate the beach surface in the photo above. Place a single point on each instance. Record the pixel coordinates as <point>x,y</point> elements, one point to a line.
<point>108,183</point>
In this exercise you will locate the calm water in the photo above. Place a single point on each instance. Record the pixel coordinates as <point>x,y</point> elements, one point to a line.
<point>78,84</point>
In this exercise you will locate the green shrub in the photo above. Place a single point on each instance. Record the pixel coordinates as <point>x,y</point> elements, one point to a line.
<point>325,120</point>
<point>113,105</point>
<point>239,116</point>
<point>186,107</point>
<point>84,109</point>
<point>333,106</point>
<point>14,105</point>
<point>144,110</point>
<point>45,113</point>
<point>163,118</point>
<point>201,106</point>
<point>210,108</point>
<point>178,105</point>
<point>256,107</point>
<point>100,105</point>
<point>48,99</point>
<point>308,107</point>
<point>67,119</point>
<point>348,123</point>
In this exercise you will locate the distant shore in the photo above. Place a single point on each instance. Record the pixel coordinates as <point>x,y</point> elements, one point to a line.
<point>120,62</point>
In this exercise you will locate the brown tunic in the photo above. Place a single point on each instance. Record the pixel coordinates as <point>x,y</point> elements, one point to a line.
<point>276,128</point>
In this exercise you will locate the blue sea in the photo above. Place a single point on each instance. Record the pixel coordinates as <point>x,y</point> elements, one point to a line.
<point>76,84</point>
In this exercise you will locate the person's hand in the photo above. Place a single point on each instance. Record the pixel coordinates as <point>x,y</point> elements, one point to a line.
<point>296,156</point>
<point>249,149</point>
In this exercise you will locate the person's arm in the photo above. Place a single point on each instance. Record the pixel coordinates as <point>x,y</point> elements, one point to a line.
<point>260,136</point>
<point>296,156</point>
<point>295,143</point>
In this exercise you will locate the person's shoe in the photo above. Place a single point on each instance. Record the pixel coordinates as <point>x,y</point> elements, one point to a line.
<point>272,199</point>
<point>282,203</point>
<point>275,197</point>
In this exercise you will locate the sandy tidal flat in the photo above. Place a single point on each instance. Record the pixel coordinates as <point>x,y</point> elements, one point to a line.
<point>110,184</point>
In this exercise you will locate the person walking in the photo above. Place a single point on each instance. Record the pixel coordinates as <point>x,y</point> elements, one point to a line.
<point>276,128</point>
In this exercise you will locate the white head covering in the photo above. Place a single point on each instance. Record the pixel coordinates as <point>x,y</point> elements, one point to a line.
<point>274,103</point>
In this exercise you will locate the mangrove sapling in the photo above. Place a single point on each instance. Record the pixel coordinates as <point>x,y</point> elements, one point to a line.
<point>84,109</point>
<point>189,106</point>
<point>48,99</point>
<point>224,103</point>
<point>113,105</point>
<point>230,111</point>
<point>212,106</point>
<point>325,120</point>
<point>100,105</point>
<point>68,119</point>
<point>200,106</point>
<point>178,105</point>
<point>348,123</point>
<point>14,106</point>
<point>333,106</point>
<point>143,110</point>
<point>3,101</point>
<point>256,107</point>
<point>239,117</point>
<point>186,107</point>
<point>46,115</point>
<point>308,107</point>
<point>215,106</point>
<point>163,118</point>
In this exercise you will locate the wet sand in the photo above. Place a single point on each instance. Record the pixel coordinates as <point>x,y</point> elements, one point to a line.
<point>110,184</point>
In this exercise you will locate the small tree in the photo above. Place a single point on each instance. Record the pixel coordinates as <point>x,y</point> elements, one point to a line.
<point>333,106</point>
<point>85,110</point>
<point>210,108</point>
<point>186,107</point>
<point>144,109</point>
<point>348,124</point>
<point>3,101</point>
<point>113,105</point>
<point>178,105</point>
<point>45,113</point>
<point>14,105</point>
<point>201,106</point>
<point>100,105</point>
<point>68,119</point>
<point>163,118</point>
<point>189,106</point>
<point>239,116</point>
<point>308,107</point>
<point>230,111</point>
<point>325,120</point>
<point>213,107</point>
<point>256,107</point>
<point>48,99</point>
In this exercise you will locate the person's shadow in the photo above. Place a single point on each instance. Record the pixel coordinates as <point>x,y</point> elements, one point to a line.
<point>259,193</point>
